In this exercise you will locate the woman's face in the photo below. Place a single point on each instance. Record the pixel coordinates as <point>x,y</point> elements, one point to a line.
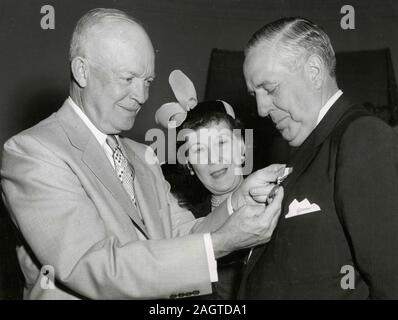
<point>215,155</point>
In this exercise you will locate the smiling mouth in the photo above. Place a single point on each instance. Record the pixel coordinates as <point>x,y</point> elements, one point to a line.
<point>134,109</point>
<point>219,173</point>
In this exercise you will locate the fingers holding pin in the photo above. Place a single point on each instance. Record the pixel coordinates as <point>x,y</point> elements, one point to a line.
<point>266,193</point>
<point>260,194</point>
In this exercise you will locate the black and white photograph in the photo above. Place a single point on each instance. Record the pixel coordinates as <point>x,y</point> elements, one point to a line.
<point>209,152</point>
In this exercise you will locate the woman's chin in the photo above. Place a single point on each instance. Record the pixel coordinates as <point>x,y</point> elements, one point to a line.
<point>224,188</point>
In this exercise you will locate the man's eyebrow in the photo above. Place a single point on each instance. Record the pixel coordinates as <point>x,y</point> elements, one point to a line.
<point>127,72</point>
<point>134,74</point>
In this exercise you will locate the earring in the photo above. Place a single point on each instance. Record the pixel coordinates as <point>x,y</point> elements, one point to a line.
<point>242,159</point>
<point>191,172</point>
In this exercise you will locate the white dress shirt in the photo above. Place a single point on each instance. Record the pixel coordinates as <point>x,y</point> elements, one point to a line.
<point>328,105</point>
<point>101,138</point>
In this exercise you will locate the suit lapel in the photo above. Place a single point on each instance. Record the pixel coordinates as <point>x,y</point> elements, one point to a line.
<point>300,159</point>
<point>95,159</point>
<point>146,194</point>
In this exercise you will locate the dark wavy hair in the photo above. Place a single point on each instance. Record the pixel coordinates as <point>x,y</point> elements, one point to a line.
<point>206,113</point>
<point>188,189</point>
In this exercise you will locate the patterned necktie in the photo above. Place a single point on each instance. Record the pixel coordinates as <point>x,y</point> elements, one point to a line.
<point>123,168</point>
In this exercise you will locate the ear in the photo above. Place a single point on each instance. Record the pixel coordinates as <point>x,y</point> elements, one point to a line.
<point>315,70</point>
<point>243,148</point>
<point>79,68</point>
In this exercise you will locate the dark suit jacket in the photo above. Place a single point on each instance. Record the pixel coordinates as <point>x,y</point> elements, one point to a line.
<point>353,177</point>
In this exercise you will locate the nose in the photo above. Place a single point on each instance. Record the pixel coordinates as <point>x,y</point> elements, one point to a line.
<point>215,155</point>
<point>264,105</point>
<point>139,90</point>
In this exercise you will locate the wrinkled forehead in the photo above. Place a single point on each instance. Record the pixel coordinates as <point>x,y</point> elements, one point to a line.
<point>262,61</point>
<point>119,42</point>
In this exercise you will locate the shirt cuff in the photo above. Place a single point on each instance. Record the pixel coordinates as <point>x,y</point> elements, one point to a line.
<point>229,204</point>
<point>211,260</point>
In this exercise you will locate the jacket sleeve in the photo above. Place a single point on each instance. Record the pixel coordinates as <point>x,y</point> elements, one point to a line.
<point>367,198</point>
<point>62,228</point>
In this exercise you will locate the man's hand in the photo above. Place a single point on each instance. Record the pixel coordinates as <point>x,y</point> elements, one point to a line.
<point>256,187</point>
<point>249,226</point>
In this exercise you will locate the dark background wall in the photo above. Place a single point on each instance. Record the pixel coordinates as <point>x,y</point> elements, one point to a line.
<point>34,65</point>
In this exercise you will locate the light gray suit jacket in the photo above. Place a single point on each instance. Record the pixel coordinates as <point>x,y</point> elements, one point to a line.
<point>73,214</point>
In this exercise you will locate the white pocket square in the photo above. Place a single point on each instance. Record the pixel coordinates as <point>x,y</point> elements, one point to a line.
<point>297,208</point>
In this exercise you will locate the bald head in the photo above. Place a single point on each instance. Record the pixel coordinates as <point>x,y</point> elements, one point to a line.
<point>102,22</point>
<point>114,41</point>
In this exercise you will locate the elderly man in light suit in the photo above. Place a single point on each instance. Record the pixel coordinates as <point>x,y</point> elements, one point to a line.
<point>87,201</point>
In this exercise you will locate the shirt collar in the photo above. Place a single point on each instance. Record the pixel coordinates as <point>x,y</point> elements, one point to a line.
<point>101,137</point>
<point>328,105</point>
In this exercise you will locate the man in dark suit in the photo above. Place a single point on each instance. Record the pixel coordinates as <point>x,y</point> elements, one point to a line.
<point>337,234</point>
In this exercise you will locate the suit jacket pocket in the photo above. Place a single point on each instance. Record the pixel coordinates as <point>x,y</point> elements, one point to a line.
<point>310,247</point>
